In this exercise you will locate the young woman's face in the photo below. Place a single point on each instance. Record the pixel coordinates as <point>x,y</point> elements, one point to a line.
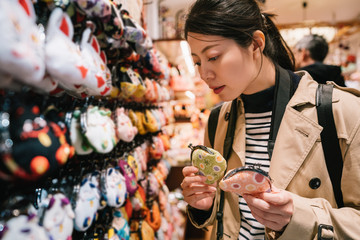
<point>227,68</point>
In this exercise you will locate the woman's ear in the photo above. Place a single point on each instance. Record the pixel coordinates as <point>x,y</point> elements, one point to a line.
<point>258,40</point>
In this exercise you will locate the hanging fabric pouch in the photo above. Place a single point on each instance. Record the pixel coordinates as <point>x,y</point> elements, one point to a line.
<point>64,61</point>
<point>100,129</point>
<point>35,147</point>
<point>130,178</point>
<point>120,228</point>
<point>113,187</point>
<point>141,230</point>
<point>78,140</point>
<point>98,80</point>
<point>57,216</point>
<point>21,47</point>
<point>125,130</point>
<point>87,203</point>
<point>153,216</point>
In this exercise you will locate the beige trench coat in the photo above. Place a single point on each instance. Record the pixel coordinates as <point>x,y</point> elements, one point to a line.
<point>298,158</point>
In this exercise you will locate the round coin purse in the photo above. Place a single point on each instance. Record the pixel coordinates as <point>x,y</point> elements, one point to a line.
<point>210,163</point>
<point>246,180</point>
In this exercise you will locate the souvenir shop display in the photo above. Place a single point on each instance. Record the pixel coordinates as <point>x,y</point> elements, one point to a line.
<point>84,101</point>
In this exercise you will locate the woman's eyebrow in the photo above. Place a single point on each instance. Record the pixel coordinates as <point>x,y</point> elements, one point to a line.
<point>206,48</point>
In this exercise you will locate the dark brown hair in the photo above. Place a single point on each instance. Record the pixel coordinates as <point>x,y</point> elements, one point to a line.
<point>238,20</point>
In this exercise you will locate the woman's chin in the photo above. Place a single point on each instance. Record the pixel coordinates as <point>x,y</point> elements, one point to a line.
<point>226,97</point>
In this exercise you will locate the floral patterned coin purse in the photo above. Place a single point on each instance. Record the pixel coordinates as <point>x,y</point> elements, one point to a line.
<point>246,180</point>
<point>210,163</point>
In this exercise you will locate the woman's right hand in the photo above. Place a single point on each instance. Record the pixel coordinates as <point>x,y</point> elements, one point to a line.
<point>196,192</point>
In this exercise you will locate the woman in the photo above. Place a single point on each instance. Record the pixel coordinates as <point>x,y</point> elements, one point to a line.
<point>241,55</point>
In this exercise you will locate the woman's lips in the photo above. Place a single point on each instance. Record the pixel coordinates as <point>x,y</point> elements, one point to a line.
<point>218,89</point>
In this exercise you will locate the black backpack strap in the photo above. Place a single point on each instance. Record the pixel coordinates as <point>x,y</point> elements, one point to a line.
<point>212,123</point>
<point>284,90</point>
<point>226,153</point>
<point>329,139</point>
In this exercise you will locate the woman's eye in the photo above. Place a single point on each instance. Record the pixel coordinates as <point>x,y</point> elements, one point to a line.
<point>197,64</point>
<point>213,58</point>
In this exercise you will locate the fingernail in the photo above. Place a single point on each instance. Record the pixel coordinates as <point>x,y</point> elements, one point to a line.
<point>212,188</point>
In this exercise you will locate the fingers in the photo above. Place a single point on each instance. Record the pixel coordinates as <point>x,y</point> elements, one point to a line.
<point>196,192</point>
<point>191,177</point>
<point>192,180</point>
<point>196,189</point>
<point>189,171</point>
<point>265,203</point>
<point>274,210</point>
<point>195,199</point>
<point>277,197</point>
<point>273,223</point>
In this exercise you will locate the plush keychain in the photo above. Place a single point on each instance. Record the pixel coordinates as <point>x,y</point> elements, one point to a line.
<point>87,203</point>
<point>149,121</point>
<point>57,216</point>
<point>140,91</point>
<point>160,118</point>
<point>120,228</point>
<point>137,163</point>
<point>126,210</point>
<point>98,81</point>
<point>39,145</point>
<point>160,177</point>
<point>113,187</point>
<point>153,216</point>
<point>79,142</point>
<point>138,201</point>
<point>140,229</point>
<point>64,61</point>
<point>140,124</point>
<point>125,130</point>
<point>95,8</point>
<point>246,180</point>
<point>129,82</point>
<point>113,29</point>
<point>209,162</point>
<point>135,34</point>
<point>23,227</point>
<point>134,119</point>
<point>128,173</point>
<point>150,94</point>
<point>21,47</point>
<point>100,129</point>
<point>140,153</point>
<point>151,185</point>
<point>151,64</point>
<point>156,149</point>
<point>134,164</point>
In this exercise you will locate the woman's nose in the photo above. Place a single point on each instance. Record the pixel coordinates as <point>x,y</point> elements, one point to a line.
<point>206,74</point>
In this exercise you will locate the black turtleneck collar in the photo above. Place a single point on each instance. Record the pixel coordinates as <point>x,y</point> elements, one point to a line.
<point>259,102</point>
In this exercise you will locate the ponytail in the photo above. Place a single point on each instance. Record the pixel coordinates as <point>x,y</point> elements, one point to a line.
<point>276,48</point>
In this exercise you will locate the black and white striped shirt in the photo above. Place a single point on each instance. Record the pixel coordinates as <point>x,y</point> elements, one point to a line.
<point>258,110</point>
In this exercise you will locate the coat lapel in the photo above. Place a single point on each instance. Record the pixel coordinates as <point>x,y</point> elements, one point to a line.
<point>297,135</point>
<point>239,135</point>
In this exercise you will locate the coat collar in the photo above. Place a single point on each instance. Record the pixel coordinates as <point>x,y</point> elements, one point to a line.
<point>306,91</point>
<point>297,135</point>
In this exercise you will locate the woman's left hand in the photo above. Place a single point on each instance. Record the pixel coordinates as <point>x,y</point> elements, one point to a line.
<point>274,210</point>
